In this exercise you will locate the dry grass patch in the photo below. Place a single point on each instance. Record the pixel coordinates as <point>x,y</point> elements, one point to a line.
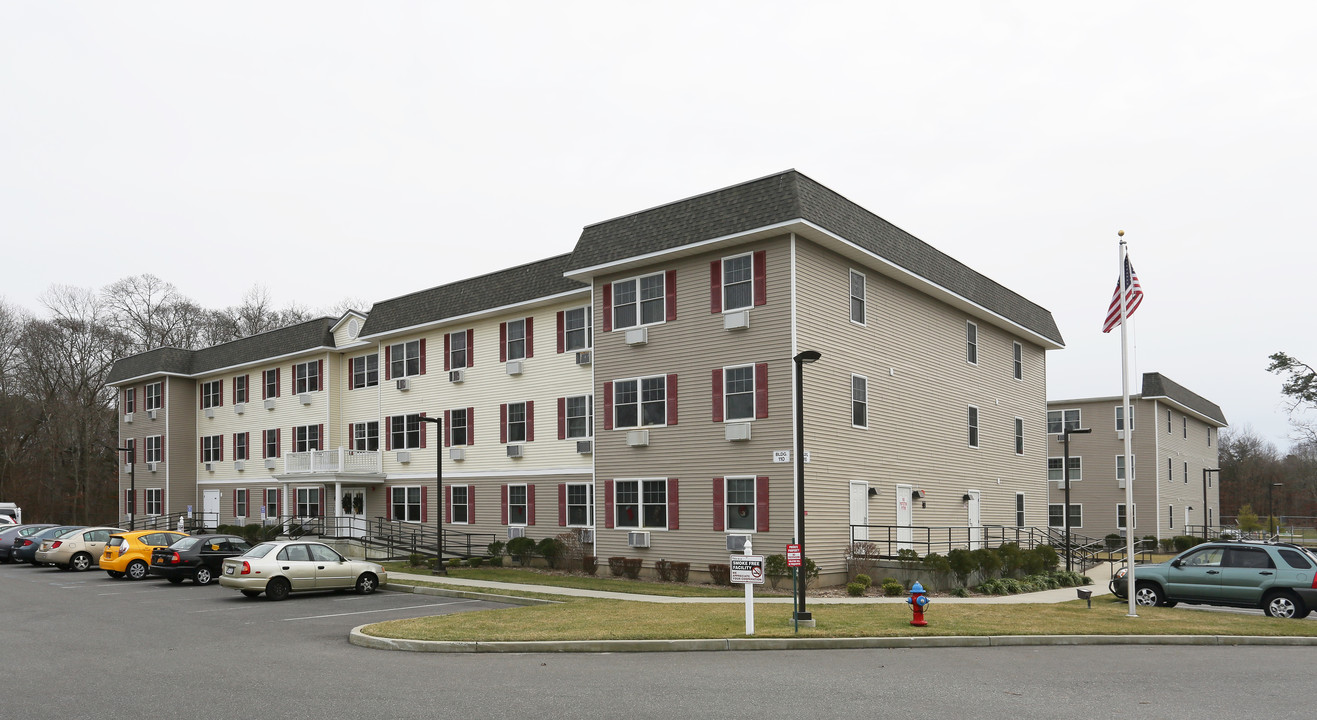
<point>586,582</point>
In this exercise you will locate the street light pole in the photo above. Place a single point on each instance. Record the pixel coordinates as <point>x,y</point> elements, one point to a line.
<point>132,485</point>
<point>1066,432</point>
<point>1207,526</point>
<point>801,359</point>
<point>439,568</point>
<point>1271,508</point>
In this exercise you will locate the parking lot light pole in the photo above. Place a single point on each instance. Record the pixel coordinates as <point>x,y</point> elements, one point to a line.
<point>802,359</point>
<point>1271,508</point>
<point>439,568</point>
<point>132,485</point>
<point>1066,432</point>
<point>1207,525</point>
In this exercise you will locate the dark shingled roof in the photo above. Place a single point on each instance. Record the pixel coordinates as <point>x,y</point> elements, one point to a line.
<point>504,287</point>
<point>274,343</point>
<point>1158,385</point>
<point>790,196</point>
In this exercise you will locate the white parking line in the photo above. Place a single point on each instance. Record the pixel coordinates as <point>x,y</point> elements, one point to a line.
<point>364,612</point>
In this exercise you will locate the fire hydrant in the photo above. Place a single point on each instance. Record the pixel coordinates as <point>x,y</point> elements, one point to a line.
<point>917,602</point>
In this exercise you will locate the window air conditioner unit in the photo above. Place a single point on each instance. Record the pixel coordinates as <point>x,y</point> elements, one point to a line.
<point>239,465</point>
<point>514,367</point>
<point>637,336</point>
<point>456,376</point>
<point>210,467</point>
<point>514,451</point>
<point>585,447</point>
<point>151,414</point>
<point>587,535</point>
<point>637,438</point>
<point>269,463</point>
<point>404,457</point>
<point>584,357</point>
<point>127,467</point>
<point>210,412</point>
<point>1120,483</point>
<point>637,539</point>
<point>153,466</point>
<point>404,384</point>
<point>737,431</point>
<point>457,454</point>
<point>516,532</point>
<point>305,398</point>
<point>739,320</point>
<point>269,403</point>
<point>1120,434</point>
<point>239,408</point>
<point>736,543</point>
<point>128,417</point>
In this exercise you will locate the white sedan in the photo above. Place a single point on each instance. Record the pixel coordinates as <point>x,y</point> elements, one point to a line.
<point>280,568</point>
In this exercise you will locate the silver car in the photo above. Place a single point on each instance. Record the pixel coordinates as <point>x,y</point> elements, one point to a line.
<point>280,568</point>
<point>76,549</point>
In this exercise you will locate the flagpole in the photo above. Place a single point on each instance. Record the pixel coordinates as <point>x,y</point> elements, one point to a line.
<point>1122,288</point>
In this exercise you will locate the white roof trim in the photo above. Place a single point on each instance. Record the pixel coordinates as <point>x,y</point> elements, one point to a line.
<point>545,300</point>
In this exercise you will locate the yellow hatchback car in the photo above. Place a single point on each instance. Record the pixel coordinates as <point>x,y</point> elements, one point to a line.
<point>130,553</point>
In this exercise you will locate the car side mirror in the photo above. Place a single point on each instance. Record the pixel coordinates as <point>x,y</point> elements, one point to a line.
<point>1175,562</point>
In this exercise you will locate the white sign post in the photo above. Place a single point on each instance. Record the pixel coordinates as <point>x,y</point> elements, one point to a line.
<point>749,570</point>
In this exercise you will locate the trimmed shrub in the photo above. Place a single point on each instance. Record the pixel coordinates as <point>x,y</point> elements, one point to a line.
<point>1168,544</point>
<point>416,560</point>
<point>988,561</point>
<point>573,553</point>
<point>1184,542</point>
<point>721,573</point>
<point>864,580</point>
<point>960,592</point>
<point>496,561</point>
<point>664,570</point>
<point>1113,541</point>
<point>1012,558</point>
<point>893,588</point>
<point>615,565</point>
<point>552,550</point>
<point>775,566</point>
<point>1047,556</point>
<point>681,571</point>
<point>855,589</point>
<point>936,564</point>
<point>631,567</point>
<point>476,562</point>
<point>962,564</point>
<point>861,557</point>
<point>589,564</point>
<point>909,560</point>
<point>522,549</point>
<point>496,548</point>
<point>1031,563</point>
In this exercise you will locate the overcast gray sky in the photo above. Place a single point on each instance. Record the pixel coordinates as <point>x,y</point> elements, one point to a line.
<point>329,150</point>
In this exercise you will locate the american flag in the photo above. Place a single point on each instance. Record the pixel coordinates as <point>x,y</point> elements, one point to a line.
<point>1133,296</point>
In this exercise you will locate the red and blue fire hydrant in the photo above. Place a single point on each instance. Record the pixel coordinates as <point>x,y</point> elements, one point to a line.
<point>917,602</point>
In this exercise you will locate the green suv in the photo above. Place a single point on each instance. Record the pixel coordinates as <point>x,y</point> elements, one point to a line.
<point>1279,578</point>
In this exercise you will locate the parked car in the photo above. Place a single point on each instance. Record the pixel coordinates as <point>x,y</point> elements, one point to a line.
<point>1280,578</point>
<point>25,549</point>
<point>75,549</point>
<point>280,568</point>
<point>130,553</point>
<point>9,534</point>
<point>197,558</point>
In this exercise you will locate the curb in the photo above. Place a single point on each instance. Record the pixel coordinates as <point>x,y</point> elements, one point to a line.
<point>468,594</point>
<point>357,637</point>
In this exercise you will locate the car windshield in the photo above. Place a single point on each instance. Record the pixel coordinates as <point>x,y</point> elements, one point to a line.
<point>185,544</point>
<point>259,551</point>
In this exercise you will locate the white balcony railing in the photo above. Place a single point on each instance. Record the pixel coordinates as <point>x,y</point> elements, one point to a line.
<point>341,461</point>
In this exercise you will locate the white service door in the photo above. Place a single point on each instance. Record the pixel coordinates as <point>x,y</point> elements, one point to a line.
<point>904,517</point>
<point>860,510</point>
<point>975,521</point>
<point>210,509</point>
<point>354,510</point>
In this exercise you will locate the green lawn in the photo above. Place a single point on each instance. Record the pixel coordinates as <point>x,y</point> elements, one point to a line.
<point>587,582</point>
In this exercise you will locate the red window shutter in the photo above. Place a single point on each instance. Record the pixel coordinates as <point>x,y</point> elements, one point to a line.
<point>471,504</point>
<point>201,448</point>
<point>718,395</point>
<point>470,348</point>
<point>388,433</point>
<point>221,391</point>
<point>235,502</point>
<point>320,375</point>
<point>530,337</point>
<point>716,286</point>
<point>422,356</point>
<point>530,504</point>
<point>446,352</point>
<point>608,408</point>
<point>673,505</point>
<point>201,396</point>
<point>562,504</point>
<point>263,395</point>
<point>448,503</point>
<point>503,423</point>
<point>761,390</point>
<point>608,312</point>
<point>162,448</point>
<point>502,342</point>
<point>235,447</point>
<point>562,418</point>
<point>164,385</point>
<point>503,500</point>
<point>562,334</point>
<point>672,399</point>
<point>719,509</point>
<point>352,436</point>
<point>448,428</point>
<point>279,501</point>
<point>670,295</point>
<point>761,503</point>
<point>470,426</point>
<point>608,503</point>
<point>278,382</point>
<point>530,421</point>
<point>425,431</point>
<point>234,389</point>
<point>761,276</point>
<point>278,442</point>
<point>265,437</point>
<point>320,437</point>
<point>425,503</point>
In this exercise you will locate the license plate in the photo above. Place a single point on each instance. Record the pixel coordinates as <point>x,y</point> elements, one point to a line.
<point>228,570</point>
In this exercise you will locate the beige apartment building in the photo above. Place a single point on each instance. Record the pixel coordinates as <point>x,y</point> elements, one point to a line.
<point>1173,440</point>
<point>637,390</point>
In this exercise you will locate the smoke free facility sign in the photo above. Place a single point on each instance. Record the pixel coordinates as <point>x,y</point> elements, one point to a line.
<point>747,569</point>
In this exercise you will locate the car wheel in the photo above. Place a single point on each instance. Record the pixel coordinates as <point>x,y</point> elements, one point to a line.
<point>277,589</point>
<point>174,580</point>
<point>1284,605</point>
<point>251,593</point>
<point>1149,595</point>
<point>114,574</point>
<point>81,562</point>
<point>367,583</point>
<point>202,576</point>
<point>136,570</point>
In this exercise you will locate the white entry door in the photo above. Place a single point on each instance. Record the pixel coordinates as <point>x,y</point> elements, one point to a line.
<point>210,509</point>
<point>860,510</point>
<point>353,505</point>
<point>904,517</point>
<point>975,521</point>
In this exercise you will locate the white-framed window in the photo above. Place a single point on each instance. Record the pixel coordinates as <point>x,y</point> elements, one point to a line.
<point>365,371</point>
<point>240,389</point>
<point>1170,516</point>
<point>211,393</point>
<point>738,282</point>
<point>739,392</point>
<point>516,428</point>
<point>1019,509</point>
<point>132,451</point>
<point>154,501</point>
<point>1019,436</point>
<point>579,412</point>
<point>1184,425</point>
<point>1017,361</point>
<point>270,383</point>
<point>1186,472</point>
<point>306,377</point>
<point>270,439</point>
<point>459,427</point>
<point>1054,518</point>
<point>857,297</point>
<point>154,448</point>
<point>1120,418</point>
<point>405,432</point>
<point>640,402</point>
<point>1056,469</point>
<point>972,417</point>
<point>518,505</point>
<point>130,400</point>
<point>405,358</point>
<point>638,301</point>
<point>641,504</point>
<point>1059,421</point>
<point>405,503</point>
<point>212,448</point>
<point>859,401</point>
<point>1120,467</point>
<point>1209,436</point>
<point>154,396</point>
<point>308,502</point>
<point>366,436</point>
<point>457,350</point>
<point>1170,470</point>
<point>272,502</point>
<point>240,502</point>
<point>1120,516</point>
<point>577,332</point>
<point>580,505</point>
<point>516,342</point>
<point>306,438</point>
<point>461,504</point>
<point>971,343</point>
<point>1168,422</point>
<point>241,441</point>
<point>740,503</point>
